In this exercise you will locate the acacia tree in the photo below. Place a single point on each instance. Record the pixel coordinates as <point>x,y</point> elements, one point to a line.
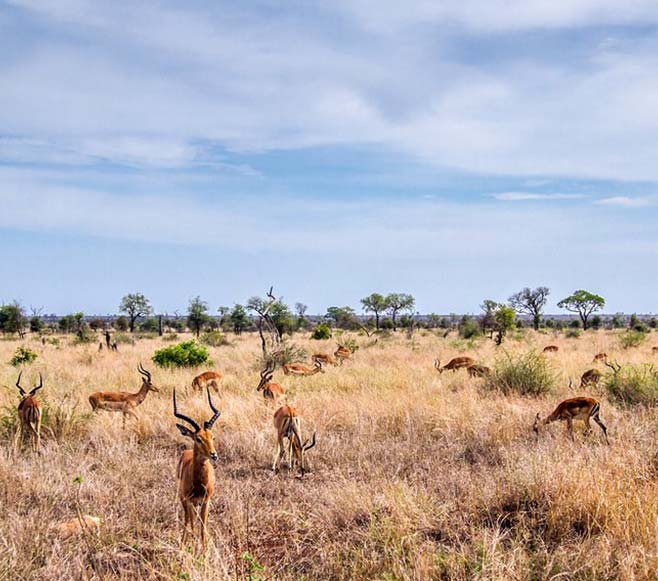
<point>399,302</point>
<point>375,304</point>
<point>12,319</point>
<point>584,303</point>
<point>531,302</point>
<point>197,314</point>
<point>135,305</point>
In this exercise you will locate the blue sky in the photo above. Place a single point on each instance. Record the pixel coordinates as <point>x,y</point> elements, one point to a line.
<point>455,150</point>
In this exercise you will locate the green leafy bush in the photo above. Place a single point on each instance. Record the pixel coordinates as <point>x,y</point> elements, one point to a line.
<point>185,354</point>
<point>23,356</point>
<point>573,333</point>
<point>631,339</point>
<point>634,385</point>
<point>321,331</point>
<point>469,328</point>
<point>527,374</point>
<point>214,339</point>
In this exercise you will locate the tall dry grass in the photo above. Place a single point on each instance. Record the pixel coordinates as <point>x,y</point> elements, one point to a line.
<point>416,475</point>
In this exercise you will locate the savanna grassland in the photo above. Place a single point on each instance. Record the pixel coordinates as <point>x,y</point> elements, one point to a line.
<point>415,475</point>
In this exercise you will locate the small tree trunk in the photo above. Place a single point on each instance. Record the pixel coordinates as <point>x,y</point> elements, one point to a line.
<point>160,325</point>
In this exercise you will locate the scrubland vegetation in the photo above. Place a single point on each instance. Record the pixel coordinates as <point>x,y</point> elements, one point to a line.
<point>416,475</point>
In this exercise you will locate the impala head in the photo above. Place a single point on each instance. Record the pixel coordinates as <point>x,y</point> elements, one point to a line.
<point>437,365</point>
<point>266,375</point>
<point>318,366</point>
<point>34,390</point>
<point>203,438</point>
<point>147,380</point>
<point>300,451</point>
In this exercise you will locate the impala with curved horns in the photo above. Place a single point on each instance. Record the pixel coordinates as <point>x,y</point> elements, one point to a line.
<point>195,473</point>
<point>270,389</point>
<point>29,413</point>
<point>577,408</point>
<point>454,364</point>
<point>299,369</point>
<point>288,426</point>
<point>122,401</point>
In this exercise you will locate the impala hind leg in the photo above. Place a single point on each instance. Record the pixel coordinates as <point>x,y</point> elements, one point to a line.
<point>597,419</point>
<point>188,513</point>
<point>278,454</point>
<point>570,429</point>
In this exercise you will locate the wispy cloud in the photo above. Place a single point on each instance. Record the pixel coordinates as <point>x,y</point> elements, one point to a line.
<point>628,202</point>
<point>527,196</point>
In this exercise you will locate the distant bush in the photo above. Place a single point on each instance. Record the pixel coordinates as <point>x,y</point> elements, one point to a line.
<point>213,339</point>
<point>634,385</point>
<point>632,338</point>
<point>322,331</point>
<point>23,356</point>
<point>527,374</point>
<point>185,354</point>
<point>573,333</point>
<point>124,338</point>
<point>469,328</point>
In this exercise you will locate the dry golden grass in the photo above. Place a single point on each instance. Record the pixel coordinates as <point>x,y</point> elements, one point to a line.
<point>416,475</point>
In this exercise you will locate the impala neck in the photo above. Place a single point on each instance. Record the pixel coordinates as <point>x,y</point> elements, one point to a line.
<point>140,396</point>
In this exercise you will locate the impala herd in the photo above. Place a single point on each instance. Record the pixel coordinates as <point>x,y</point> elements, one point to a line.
<point>195,472</point>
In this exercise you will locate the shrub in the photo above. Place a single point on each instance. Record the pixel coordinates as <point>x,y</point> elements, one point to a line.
<point>214,339</point>
<point>572,333</point>
<point>633,385</point>
<point>527,374</point>
<point>631,339</point>
<point>185,354</point>
<point>123,338</point>
<point>469,328</point>
<point>322,331</point>
<point>23,356</point>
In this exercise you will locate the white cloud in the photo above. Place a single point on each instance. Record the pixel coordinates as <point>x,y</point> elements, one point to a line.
<point>523,196</point>
<point>627,202</point>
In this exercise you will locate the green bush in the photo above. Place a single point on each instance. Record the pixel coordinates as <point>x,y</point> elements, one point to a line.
<point>634,385</point>
<point>214,339</point>
<point>632,338</point>
<point>528,374</point>
<point>185,354</point>
<point>23,356</point>
<point>572,333</point>
<point>123,338</point>
<point>469,328</point>
<point>321,331</point>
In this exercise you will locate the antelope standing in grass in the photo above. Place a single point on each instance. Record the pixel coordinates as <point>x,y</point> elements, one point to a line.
<point>299,369</point>
<point>454,364</point>
<point>195,473</point>
<point>29,413</point>
<point>288,426</point>
<point>343,353</point>
<point>207,379</point>
<point>476,370</point>
<point>590,377</point>
<point>550,349</point>
<point>577,408</point>
<point>122,401</point>
<point>270,389</point>
<point>324,358</point>
<point>600,357</point>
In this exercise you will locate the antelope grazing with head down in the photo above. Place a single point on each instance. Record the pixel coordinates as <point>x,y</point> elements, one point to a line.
<point>207,379</point>
<point>299,369</point>
<point>600,357</point>
<point>288,426</point>
<point>654,350</point>
<point>270,389</point>
<point>454,364</point>
<point>577,408</point>
<point>478,370</point>
<point>550,349</point>
<point>590,377</point>
<point>122,401</point>
<point>324,358</point>
<point>195,473</point>
<point>29,413</point>
<point>343,353</point>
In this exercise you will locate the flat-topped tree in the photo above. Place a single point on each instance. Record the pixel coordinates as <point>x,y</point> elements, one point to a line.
<point>399,302</point>
<point>584,303</point>
<point>530,302</point>
<point>135,305</point>
<point>375,304</point>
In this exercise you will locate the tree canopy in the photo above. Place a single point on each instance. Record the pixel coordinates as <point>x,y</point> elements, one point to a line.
<point>584,303</point>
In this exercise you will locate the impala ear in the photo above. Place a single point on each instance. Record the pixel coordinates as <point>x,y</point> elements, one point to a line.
<point>185,431</point>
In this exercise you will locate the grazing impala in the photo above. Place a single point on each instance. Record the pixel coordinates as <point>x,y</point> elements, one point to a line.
<point>270,389</point>
<point>288,425</point>
<point>299,369</point>
<point>343,353</point>
<point>454,364</point>
<point>551,349</point>
<point>29,413</point>
<point>476,370</point>
<point>577,408</point>
<point>207,379</point>
<point>590,377</point>
<point>122,401</point>
<point>196,475</point>
<point>600,357</point>
<point>654,350</point>
<point>324,358</point>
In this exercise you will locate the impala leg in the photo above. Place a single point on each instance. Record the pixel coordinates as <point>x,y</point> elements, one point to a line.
<point>570,428</point>
<point>189,521</point>
<point>588,426</point>
<point>204,525</point>
<point>597,419</point>
<point>278,454</point>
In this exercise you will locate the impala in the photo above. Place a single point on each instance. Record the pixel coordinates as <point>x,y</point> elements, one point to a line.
<point>454,364</point>
<point>207,379</point>
<point>476,370</point>
<point>270,389</point>
<point>600,357</point>
<point>654,350</point>
<point>299,369</point>
<point>343,353</point>
<point>288,425</point>
<point>325,358</point>
<point>195,473</point>
<point>551,349</point>
<point>122,401</point>
<point>29,413</point>
<point>590,377</point>
<point>577,408</point>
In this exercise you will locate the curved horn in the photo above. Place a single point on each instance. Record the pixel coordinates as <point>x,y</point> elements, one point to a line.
<point>437,363</point>
<point>38,387</point>
<point>216,412</point>
<point>18,385</point>
<point>308,446</point>
<point>143,371</point>
<point>185,418</point>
